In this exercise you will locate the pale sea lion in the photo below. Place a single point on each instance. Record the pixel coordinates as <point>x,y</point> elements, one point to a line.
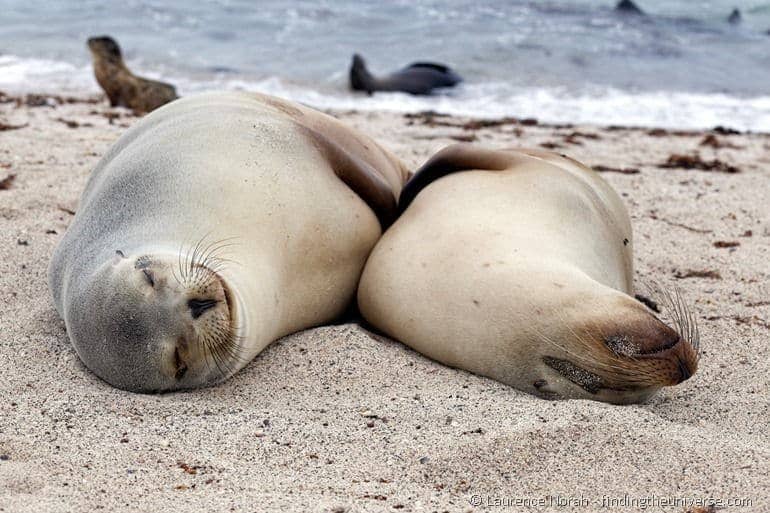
<point>214,226</point>
<point>419,78</point>
<point>123,88</point>
<point>517,265</point>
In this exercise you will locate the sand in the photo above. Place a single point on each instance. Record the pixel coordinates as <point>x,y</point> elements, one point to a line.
<point>338,419</point>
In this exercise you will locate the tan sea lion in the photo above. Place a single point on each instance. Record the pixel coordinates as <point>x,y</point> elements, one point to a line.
<point>214,226</point>
<point>123,88</point>
<point>517,265</point>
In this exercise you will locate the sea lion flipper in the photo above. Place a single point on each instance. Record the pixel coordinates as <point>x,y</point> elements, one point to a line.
<point>362,178</point>
<point>452,159</point>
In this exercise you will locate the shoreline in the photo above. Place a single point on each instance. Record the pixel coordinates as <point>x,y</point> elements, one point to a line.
<point>337,418</point>
<point>43,98</point>
<point>428,117</point>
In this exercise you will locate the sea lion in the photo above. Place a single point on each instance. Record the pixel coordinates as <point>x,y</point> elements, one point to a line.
<point>517,265</point>
<point>216,225</point>
<point>628,7</point>
<point>419,78</point>
<point>123,88</point>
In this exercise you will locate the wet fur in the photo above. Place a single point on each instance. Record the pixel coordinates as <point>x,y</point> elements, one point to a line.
<point>419,78</point>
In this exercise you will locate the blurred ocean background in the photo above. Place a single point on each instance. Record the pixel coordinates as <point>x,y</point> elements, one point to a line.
<point>681,66</point>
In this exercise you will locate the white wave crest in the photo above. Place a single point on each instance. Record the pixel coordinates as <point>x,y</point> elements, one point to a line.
<point>592,105</point>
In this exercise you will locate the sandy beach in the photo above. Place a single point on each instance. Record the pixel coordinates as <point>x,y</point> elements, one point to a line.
<point>340,419</point>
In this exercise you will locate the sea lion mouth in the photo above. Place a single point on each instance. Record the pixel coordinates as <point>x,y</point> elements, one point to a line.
<point>684,371</point>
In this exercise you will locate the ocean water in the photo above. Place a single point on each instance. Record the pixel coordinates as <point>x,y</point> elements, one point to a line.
<point>681,66</point>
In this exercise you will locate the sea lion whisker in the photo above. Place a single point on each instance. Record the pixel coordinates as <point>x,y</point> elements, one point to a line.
<point>691,322</point>
<point>192,256</point>
<point>195,270</point>
<point>682,320</point>
<point>200,271</point>
<point>211,258</point>
<point>214,347</point>
<point>629,368</point>
<point>233,350</point>
<point>607,360</point>
<point>567,351</point>
<point>587,345</point>
<point>202,262</point>
<point>672,307</point>
<point>613,354</point>
<point>682,317</point>
<point>224,344</point>
<point>180,259</point>
<point>607,375</point>
<point>217,359</point>
<point>218,260</point>
<point>590,348</point>
<point>201,250</point>
<point>176,277</point>
<point>694,334</point>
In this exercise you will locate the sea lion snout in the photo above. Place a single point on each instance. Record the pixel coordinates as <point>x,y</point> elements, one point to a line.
<point>662,355</point>
<point>104,45</point>
<point>624,358</point>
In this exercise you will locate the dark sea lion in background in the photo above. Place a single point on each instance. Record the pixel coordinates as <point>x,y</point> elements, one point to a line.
<point>123,88</point>
<point>214,226</point>
<point>417,78</point>
<point>628,7</point>
<point>735,17</point>
<point>518,265</point>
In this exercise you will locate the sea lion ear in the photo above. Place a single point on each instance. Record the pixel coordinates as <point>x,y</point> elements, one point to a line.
<point>452,159</point>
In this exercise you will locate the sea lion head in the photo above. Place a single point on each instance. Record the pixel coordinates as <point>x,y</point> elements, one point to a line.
<point>105,47</point>
<point>152,322</point>
<point>360,78</point>
<point>615,349</point>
